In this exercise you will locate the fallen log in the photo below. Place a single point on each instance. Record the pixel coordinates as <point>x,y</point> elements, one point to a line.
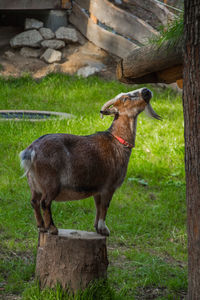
<point>152,64</point>
<point>73,258</point>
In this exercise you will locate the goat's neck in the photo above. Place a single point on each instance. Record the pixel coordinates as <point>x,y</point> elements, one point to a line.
<point>124,127</point>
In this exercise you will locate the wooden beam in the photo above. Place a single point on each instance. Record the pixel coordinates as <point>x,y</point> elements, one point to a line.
<point>30,4</point>
<point>159,10</point>
<point>104,39</point>
<point>121,21</point>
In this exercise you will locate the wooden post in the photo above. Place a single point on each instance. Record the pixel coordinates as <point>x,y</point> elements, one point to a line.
<point>73,258</point>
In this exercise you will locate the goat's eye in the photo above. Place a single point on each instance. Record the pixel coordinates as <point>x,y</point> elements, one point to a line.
<point>126,98</point>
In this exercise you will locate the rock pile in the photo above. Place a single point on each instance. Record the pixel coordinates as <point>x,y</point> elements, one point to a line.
<point>38,41</point>
<point>39,51</point>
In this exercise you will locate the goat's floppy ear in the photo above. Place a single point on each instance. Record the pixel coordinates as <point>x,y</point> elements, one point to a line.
<point>109,111</point>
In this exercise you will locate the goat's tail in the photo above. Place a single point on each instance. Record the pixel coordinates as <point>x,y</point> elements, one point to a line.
<point>26,158</point>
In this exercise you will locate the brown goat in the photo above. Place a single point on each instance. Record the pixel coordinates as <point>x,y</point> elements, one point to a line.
<point>64,167</point>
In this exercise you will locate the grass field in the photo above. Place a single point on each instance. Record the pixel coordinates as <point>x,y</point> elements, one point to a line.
<point>147,216</point>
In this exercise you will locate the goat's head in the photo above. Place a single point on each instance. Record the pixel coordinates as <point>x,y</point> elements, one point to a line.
<point>131,104</point>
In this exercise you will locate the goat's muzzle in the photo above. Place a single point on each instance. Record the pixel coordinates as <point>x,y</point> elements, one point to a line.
<point>146,95</point>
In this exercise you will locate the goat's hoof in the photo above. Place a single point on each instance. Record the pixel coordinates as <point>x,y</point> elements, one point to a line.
<point>104,232</point>
<point>102,228</point>
<point>53,230</point>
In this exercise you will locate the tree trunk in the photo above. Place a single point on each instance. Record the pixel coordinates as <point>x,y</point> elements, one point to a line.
<point>73,258</point>
<point>191,105</point>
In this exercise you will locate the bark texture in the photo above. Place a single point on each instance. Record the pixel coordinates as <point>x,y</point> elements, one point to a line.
<point>73,258</point>
<point>191,104</point>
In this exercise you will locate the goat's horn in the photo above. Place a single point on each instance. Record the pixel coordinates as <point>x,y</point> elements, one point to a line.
<point>150,112</point>
<point>107,104</point>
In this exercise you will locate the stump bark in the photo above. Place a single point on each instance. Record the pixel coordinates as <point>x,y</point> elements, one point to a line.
<point>73,258</point>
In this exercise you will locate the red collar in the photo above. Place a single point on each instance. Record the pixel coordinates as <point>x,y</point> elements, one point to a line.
<point>122,141</point>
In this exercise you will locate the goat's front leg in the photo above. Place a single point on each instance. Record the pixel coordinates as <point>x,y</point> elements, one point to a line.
<point>47,216</point>
<point>103,204</point>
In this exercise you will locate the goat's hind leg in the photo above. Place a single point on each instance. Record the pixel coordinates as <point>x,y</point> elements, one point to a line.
<point>35,202</point>
<point>47,216</point>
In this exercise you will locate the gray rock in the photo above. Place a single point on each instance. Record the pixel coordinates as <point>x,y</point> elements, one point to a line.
<point>30,38</point>
<point>56,19</point>
<point>53,44</point>
<point>67,34</point>
<point>9,54</point>
<point>47,33</point>
<point>33,24</point>
<point>30,52</point>
<point>88,71</point>
<point>51,55</point>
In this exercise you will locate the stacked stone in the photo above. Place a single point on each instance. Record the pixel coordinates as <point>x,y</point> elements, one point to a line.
<point>38,41</point>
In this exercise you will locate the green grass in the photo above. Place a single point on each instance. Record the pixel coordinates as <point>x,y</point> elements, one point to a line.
<point>147,216</point>
<point>171,34</point>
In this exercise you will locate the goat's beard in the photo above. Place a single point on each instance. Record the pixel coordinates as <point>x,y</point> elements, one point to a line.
<point>151,113</point>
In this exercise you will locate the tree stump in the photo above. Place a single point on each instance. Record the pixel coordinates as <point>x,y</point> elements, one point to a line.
<point>73,258</point>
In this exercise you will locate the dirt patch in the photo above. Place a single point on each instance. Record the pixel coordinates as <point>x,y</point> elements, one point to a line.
<point>17,65</point>
<point>74,57</point>
<point>151,293</point>
<point>148,293</point>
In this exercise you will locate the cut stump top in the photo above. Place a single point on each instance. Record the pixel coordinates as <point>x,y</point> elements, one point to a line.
<point>70,234</point>
<point>79,234</point>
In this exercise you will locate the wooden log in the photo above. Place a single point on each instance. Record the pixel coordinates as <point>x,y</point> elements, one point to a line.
<point>170,75</point>
<point>121,21</point>
<point>167,76</point>
<point>102,38</point>
<point>30,4</point>
<point>150,61</point>
<point>159,10</point>
<point>73,258</point>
